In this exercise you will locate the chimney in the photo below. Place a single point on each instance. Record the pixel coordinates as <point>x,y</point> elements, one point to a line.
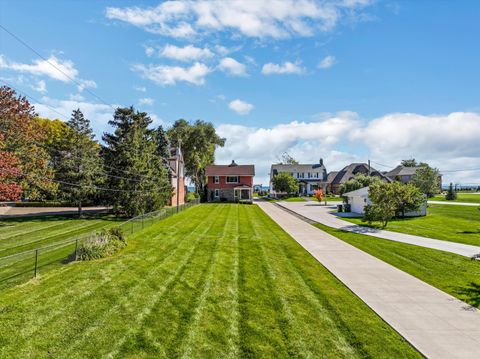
<point>321,161</point>
<point>233,164</point>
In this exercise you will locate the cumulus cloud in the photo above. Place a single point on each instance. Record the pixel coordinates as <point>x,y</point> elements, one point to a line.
<point>149,51</point>
<point>41,87</point>
<point>344,138</point>
<point>53,67</point>
<point>259,19</point>
<point>285,68</point>
<point>146,101</point>
<point>170,75</point>
<point>327,62</point>
<point>240,107</point>
<point>232,67</point>
<point>140,88</point>
<point>186,53</point>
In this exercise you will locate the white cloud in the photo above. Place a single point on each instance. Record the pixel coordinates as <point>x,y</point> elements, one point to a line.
<point>327,62</point>
<point>41,87</point>
<point>53,67</point>
<point>170,75</point>
<point>186,53</point>
<point>146,101</point>
<point>240,107</point>
<point>76,97</point>
<point>149,51</point>
<point>140,88</point>
<point>449,142</point>
<point>285,68</point>
<point>232,67</point>
<point>260,19</point>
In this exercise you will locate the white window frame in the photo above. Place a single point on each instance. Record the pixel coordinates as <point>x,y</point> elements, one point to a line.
<point>231,182</point>
<point>216,179</point>
<point>217,193</point>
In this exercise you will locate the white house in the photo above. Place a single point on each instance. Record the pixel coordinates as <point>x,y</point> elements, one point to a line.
<point>358,199</point>
<point>310,176</point>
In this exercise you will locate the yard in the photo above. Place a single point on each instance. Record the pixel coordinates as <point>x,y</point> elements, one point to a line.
<point>214,281</point>
<point>454,274</point>
<point>461,197</point>
<point>447,222</point>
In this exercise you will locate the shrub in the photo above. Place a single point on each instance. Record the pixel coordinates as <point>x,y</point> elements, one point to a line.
<point>451,194</point>
<point>100,245</point>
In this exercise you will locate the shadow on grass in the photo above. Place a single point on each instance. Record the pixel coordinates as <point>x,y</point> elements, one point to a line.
<point>471,292</point>
<point>470,232</point>
<point>62,217</point>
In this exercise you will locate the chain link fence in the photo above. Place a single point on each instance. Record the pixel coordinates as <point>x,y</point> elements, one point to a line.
<point>22,266</point>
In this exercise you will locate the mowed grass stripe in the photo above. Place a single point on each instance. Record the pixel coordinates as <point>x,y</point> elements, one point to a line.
<point>175,308</point>
<point>201,291</point>
<point>79,296</point>
<point>295,297</point>
<point>214,328</point>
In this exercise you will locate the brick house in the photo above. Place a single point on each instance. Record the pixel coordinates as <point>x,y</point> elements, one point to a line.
<point>231,182</point>
<point>176,166</point>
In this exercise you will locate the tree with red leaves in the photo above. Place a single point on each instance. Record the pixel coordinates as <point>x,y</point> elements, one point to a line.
<point>10,172</point>
<point>22,139</point>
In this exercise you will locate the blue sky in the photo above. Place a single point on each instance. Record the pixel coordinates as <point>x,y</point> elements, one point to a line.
<point>343,80</point>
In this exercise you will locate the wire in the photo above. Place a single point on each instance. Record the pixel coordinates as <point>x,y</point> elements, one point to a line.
<point>92,187</point>
<point>54,66</point>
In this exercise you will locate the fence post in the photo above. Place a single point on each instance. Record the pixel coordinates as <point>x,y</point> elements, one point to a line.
<point>36,264</point>
<point>76,248</point>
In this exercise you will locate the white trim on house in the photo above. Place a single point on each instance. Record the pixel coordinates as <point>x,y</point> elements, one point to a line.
<point>232,182</point>
<point>216,179</point>
<point>217,193</point>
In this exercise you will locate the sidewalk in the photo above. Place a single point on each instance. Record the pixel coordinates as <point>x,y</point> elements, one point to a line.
<point>437,324</point>
<point>321,214</point>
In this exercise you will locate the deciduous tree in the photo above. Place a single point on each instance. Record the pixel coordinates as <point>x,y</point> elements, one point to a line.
<point>285,182</point>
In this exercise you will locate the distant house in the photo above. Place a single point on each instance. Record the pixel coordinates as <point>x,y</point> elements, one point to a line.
<point>177,176</point>
<point>358,199</point>
<point>310,176</point>
<point>405,174</point>
<point>231,182</point>
<point>349,172</point>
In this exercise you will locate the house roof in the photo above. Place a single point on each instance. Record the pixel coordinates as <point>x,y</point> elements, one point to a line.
<point>331,176</point>
<point>362,192</point>
<point>402,171</point>
<point>229,170</point>
<point>298,167</point>
<point>353,169</point>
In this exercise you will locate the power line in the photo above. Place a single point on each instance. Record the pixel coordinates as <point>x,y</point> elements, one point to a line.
<point>54,66</point>
<point>83,186</point>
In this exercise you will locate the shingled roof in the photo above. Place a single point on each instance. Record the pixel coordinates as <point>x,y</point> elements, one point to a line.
<point>353,169</point>
<point>402,171</point>
<point>230,170</point>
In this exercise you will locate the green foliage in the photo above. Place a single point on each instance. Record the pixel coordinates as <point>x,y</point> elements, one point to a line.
<point>138,175</point>
<point>163,144</point>
<point>451,193</point>
<point>427,180</point>
<point>78,162</point>
<point>198,142</point>
<point>391,199</point>
<point>359,181</point>
<point>285,182</point>
<point>409,163</point>
<point>100,245</point>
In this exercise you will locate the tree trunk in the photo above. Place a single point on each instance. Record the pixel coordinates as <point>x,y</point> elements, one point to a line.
<point>80,208</point>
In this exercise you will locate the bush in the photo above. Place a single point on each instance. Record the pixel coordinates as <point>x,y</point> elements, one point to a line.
<point>100,245</point>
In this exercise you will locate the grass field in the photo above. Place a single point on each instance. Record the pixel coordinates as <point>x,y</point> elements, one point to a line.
<point>21,234</point>
<point>461,197</point>
<point>446,222</point>
<point>214,281</point>
<point>454,274</point>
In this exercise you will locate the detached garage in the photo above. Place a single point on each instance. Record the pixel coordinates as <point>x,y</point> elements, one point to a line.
<point>358,199</point>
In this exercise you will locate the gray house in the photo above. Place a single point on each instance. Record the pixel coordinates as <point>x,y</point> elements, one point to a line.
<point>309,176</point>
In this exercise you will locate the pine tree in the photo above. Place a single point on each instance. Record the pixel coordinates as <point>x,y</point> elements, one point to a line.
<point>80,165</point>
<point>451,194</point>
<point>163,144</point>
<point>138,173</point>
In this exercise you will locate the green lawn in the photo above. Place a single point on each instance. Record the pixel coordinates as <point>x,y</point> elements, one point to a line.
<point>294,199</point>
<point>454,274</point>
<point>217,280</point>
<point>446,222</point>
<point>461,197</point>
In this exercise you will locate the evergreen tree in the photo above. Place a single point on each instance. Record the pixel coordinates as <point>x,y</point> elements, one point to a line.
<point>451,194</point>
<point>163,144</point>
<point>137,173</point>
<point>80,163</point>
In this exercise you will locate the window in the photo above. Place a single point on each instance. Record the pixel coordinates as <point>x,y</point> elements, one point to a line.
<point>232,179</point>
<point>216,179</point>
<point>217,193</point>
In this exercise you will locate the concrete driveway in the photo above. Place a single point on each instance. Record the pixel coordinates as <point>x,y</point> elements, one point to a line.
<point>321,214</point>
<point>437,324</point>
